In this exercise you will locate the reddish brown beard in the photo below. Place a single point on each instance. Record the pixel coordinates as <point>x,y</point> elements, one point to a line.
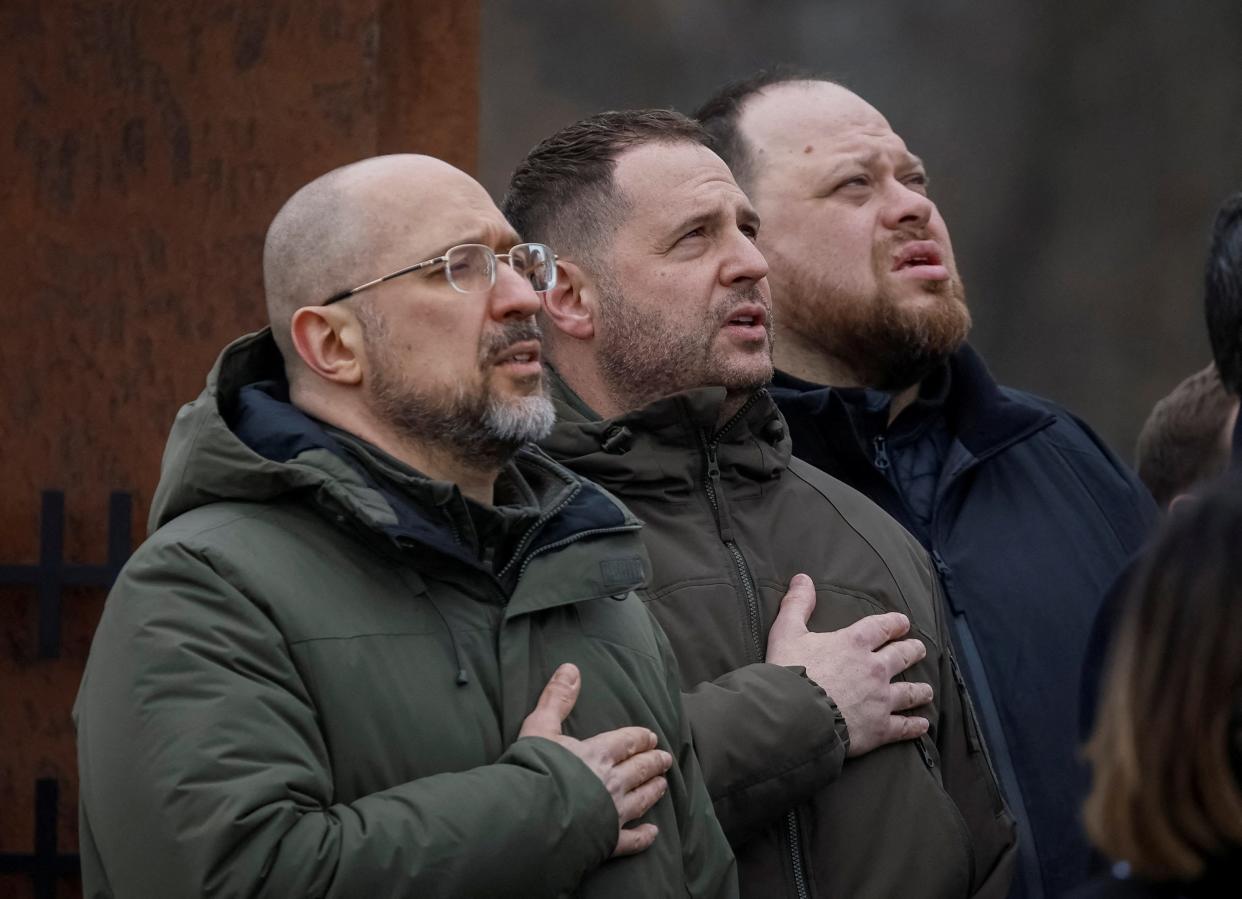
<point>889,346</point>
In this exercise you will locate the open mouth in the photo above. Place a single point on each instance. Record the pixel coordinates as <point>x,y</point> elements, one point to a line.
<point>748,317</point>
<point>917,253</point>
<point>521,353</point>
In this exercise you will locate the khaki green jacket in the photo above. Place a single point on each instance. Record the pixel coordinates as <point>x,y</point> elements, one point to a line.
<point>729,519</point>
<point>306,683</point>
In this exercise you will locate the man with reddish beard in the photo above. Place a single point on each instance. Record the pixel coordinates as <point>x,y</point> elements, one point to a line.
<point>379,644</point>
<point>1027,515</point>
<point>658,329</point>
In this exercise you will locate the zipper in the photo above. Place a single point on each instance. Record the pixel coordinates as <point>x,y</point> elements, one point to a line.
<point>573,538</point>
<point>724,526</point>
<point>530,534</point>
<point>881,452</point>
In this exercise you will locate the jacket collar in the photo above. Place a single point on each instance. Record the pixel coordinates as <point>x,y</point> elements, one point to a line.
<point>980,415</point>
<point>660,447</point>
<point>243,440</point>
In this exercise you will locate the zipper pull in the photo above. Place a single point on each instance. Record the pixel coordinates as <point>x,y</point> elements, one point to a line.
<point>942,567</point>
<point>927,759</point>
<point>715,495</point>
<point>881,452</point>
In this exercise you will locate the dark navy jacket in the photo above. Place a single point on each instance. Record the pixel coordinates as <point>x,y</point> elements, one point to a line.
<point>1032,519</point>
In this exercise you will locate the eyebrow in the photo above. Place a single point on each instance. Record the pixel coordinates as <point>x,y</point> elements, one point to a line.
<point>698,219</point>
<point>509,238</point>
<point>866,160</point>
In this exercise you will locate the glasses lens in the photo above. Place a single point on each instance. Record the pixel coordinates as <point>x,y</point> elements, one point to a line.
<point>535,262</point>
<point>471,268</point>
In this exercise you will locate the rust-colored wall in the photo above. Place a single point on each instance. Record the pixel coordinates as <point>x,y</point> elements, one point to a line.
<point>147,148</point>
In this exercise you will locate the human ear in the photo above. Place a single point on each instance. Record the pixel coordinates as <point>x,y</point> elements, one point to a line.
<point>328,339</point>
<point>570,305</point>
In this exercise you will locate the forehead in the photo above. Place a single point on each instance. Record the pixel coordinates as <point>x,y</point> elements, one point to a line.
<point>802,122</point>
<point>664,182</point>
<point>424,214</point>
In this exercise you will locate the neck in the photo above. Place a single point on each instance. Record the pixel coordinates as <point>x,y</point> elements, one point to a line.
<point>900,401</point>
<point>734,401</point>
<point>803,358</point>
<point>583,378</point>
<point>440,463</point>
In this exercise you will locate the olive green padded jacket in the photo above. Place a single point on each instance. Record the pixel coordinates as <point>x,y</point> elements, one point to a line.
<point>729,517</point>
<point>306,684</point>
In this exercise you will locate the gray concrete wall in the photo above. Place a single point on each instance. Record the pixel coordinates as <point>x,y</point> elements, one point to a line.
<point>1078,150</point>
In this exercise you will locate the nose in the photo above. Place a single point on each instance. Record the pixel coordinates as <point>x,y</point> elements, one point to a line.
<point>906,208</point>
<point>512,296</point>
<point>743,262</point>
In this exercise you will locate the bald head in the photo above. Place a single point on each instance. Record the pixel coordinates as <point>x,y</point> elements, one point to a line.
<point>354,224</point>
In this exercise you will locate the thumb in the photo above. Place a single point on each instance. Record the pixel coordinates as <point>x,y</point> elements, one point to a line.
<point>796,608</point>
<point>555,703</point>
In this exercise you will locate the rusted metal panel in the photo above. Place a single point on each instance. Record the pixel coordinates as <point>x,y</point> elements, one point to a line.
<point>148,147</point>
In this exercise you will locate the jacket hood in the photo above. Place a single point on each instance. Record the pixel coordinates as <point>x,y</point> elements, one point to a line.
<point>242,440</point>
<point>205,461</point>
<point>659,449</point>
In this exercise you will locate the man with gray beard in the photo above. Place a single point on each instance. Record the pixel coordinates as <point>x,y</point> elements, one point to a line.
<point>1026,513</point>
<point>378,644</point>
<point>839,749</point>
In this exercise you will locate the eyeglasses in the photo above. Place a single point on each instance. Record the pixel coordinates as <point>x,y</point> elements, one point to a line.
<point>471,268</point>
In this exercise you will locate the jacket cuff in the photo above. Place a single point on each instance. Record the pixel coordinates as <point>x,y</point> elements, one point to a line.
<point>839,726</point>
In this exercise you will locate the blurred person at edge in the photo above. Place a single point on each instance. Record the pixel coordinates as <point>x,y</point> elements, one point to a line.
<point>1222,299</point>
<point>658,337</point>
<point>1027,515</point>
<point>1166,754</point>
<point>379,644</point>
<point>1186,439</point>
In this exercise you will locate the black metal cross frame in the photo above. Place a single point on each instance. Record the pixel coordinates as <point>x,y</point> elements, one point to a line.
<point>52,574</point>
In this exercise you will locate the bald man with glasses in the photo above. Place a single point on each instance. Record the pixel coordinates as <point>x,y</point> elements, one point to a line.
<point>379,645</point>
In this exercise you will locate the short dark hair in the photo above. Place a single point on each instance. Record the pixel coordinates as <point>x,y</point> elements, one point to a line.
<point>720,114</point>
<point>563,193</point>
<point>1222,297</point>
<point>1183,441</point>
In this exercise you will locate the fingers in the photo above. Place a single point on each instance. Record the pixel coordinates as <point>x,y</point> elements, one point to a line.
<point>555,703</point>
<point>905,727</point>
<point>638,770</point>
<point>874,631</point>
<point>908,696</point>
<point>796,608</point>
<point>614,746</point>
<point>638,801</point>
<point>635,839</point>
<point>897,657</point>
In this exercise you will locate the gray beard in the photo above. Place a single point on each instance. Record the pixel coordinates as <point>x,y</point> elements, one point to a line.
<point>477,426</point>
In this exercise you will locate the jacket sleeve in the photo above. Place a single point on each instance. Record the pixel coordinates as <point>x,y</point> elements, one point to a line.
<point>204,773</point>
<point>707,861</point>
<point>767,737</point>
<point>968,775</point>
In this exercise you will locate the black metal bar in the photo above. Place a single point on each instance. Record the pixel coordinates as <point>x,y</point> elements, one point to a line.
<point>47,800</point>
<point>51,575</point>
<point>120,514</point>
<point>51,564</point>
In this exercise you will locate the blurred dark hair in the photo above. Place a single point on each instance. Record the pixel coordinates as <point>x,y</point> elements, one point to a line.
<point>1184,441</point>
<point>1166,749</point>
<point>563,193</point>
<point>721,112</point>
<point>1222,295</point>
